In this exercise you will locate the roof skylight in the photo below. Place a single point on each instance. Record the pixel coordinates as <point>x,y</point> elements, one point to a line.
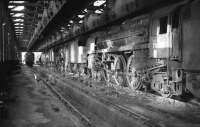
<point>98,12</point>
<point>19,15</point>
<point>71,21</point>
<point>81,21</point>
<point>11,7</point>
<point>81,16</point>
<point>17,24</point>
<point>18,8</point>
<point>18,20</point>
<point>16,2</point>
<point>99,3</point>
<point>19,27</point>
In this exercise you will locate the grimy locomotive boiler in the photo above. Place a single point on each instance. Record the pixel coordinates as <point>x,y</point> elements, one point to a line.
<point>157,50</point>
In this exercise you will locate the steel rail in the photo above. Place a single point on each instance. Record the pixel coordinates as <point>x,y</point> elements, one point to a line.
<point>68,104</point>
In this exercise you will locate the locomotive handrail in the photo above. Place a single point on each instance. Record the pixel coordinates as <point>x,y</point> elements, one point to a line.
<point>150,69</point>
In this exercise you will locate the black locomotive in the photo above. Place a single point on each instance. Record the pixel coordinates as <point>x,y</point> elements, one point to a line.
<point>158,50</point>
<point>29,59</point>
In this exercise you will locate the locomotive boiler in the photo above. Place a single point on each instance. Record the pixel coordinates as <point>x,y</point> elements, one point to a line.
<point>157,51</point>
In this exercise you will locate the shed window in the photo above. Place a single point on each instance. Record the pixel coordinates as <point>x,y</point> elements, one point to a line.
<point>163,25</point>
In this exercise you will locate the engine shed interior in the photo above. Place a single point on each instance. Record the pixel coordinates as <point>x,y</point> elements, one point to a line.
<point>100,63</point>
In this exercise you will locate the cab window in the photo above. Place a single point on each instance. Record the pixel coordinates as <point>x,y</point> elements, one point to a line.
<point>163,25</point>
<point>175,20</point>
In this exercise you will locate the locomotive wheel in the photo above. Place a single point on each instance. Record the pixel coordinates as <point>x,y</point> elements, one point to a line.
<point>108,77</point>
<point>133,79</point>
<point>119,70</point>
<point>105,75</point>
<point>166,93</point>
<point>159,85</point>
<point>101,75</point>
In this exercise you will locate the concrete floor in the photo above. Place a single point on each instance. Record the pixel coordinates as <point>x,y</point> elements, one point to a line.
<point>31,104</point>
<point>153,109</point>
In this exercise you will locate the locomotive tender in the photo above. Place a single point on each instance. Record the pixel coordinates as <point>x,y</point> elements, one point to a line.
<point>158,51</point>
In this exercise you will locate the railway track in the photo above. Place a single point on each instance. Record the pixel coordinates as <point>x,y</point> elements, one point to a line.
<point>135,116</point>
<point>147,121</point>
<point>68,105</point>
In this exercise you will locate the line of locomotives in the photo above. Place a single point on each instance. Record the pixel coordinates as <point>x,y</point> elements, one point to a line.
<point>158,51</point>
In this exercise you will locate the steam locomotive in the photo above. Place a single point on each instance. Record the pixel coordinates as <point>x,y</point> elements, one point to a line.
<point>29,59</point>
<point>158,51</point>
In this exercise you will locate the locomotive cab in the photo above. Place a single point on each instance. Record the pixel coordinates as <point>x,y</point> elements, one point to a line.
<point>191,46</point>
<point>174,41</point>
<point>165,50</point>
<point>164,34</point>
